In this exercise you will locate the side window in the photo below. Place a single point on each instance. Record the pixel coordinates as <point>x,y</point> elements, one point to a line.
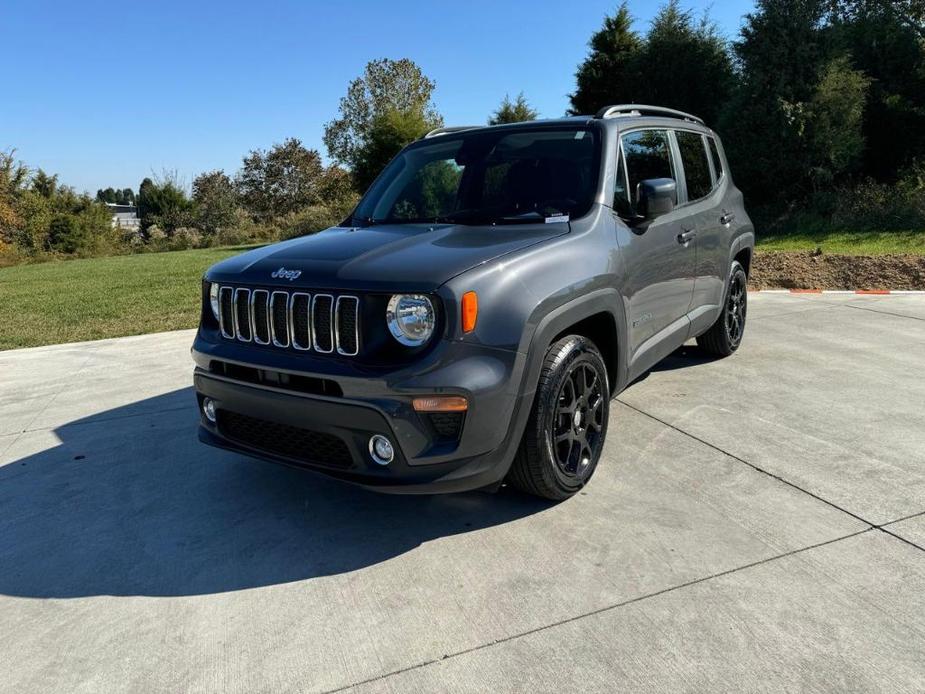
<point>696,165</point>
<point>648,155</point>
<point>717,160</point>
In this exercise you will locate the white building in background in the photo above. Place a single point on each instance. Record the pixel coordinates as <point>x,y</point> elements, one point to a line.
<point>124,216</point>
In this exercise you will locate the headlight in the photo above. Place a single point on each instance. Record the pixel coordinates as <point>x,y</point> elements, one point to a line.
<point>411,318</point>
<point>213,298</point>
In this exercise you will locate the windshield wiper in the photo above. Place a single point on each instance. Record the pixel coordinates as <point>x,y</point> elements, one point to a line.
<point>370,221</point>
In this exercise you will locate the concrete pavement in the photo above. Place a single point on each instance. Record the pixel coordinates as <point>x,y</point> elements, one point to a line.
<point>756,524</point>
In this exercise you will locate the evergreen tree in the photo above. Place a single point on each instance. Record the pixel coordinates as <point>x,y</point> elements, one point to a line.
<point>515,111</point>
<point>607,76</point>
<point>684,64</point>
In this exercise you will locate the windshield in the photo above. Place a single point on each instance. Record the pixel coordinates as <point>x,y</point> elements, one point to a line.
<point>519,176</point>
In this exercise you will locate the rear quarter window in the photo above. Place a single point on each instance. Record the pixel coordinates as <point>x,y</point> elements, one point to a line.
<point>696,165</point>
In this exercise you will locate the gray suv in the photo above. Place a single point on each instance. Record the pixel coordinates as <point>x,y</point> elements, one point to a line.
<point>472,319</point>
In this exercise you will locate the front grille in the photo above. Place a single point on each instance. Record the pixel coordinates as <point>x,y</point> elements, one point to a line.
<point>321,322</point>
<point>304,445</point>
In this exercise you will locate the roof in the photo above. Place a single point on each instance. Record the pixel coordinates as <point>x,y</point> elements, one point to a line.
<point>621,111</point>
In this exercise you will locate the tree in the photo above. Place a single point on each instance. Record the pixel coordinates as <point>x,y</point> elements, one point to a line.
<point>45,185</point>
<point>215,200</point>
<point>13,178</point>
<point>65,234</point>
<point>684,64</point>
<point>146,193</point>
<point>284,179</point>
<point>908,13</point>
<point>782,53</point>
<point>606,75</point>
<point>386,86</point>
<point>832,121</point>
<point>388,133</point>
<point>887,48</point>
<point>163,203</point>
<point>515,111</point>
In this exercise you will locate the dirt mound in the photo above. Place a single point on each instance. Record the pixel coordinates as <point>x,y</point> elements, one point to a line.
<point>808,270</point>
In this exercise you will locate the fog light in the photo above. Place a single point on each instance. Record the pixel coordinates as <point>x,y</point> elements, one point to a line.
<point>380,448</point>
<point>208,409</point>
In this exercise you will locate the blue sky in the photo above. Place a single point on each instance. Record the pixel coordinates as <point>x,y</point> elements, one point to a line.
<point>107,93</point>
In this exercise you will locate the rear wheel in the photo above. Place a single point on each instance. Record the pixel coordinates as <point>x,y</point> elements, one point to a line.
<point>725,335</point>
<point>565,433</point>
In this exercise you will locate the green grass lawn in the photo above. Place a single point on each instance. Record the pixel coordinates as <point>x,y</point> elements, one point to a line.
<point>76,300</point>
<point>848,243</point>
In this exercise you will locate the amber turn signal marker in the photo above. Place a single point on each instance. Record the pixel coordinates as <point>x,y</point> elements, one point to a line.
<point>470,311</point>
<point>441,403</point>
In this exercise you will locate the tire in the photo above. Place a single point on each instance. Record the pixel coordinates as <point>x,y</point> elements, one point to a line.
<point>725,335</point>
<point>560,450</point>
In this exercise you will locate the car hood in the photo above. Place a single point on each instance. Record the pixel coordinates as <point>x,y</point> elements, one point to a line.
<point>406,257</point>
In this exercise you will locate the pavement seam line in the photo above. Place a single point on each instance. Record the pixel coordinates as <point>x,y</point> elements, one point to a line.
<point>885,313</point>
<point>900,537</point>
<point>751,465</point>
<point>855,306</point>
<point>874,526</point>
<point>600,610</point>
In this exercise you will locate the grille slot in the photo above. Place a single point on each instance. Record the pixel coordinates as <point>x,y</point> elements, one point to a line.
<point>304,445</point>
<point>323,323</point>
<point>322,326</point>
<point>279,318</point>
<point>298,320</point>
<point>260,317</point>
<point>226,311</point>
<point>242,314</point>
<point>345,325</point>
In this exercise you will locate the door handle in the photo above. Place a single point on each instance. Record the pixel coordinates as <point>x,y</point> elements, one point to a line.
<point>686,236</point>
<point>727,218</point>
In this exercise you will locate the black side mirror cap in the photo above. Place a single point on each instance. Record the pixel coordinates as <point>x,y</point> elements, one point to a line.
<point>656,196</point>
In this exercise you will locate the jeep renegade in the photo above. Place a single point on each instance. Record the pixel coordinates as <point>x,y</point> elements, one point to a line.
<point>471,320</point>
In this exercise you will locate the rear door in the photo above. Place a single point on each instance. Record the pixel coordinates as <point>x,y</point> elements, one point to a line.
<point>703,182</point>
<point>659,265</point>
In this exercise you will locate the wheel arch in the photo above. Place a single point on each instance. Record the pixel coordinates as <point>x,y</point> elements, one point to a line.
<point>598,316</point>
<point>742,249</point>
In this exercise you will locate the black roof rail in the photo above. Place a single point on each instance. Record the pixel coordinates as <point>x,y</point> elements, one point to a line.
<point>618,110</point>
<point>452,129</point>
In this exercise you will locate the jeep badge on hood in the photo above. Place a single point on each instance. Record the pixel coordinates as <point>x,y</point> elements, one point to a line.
<point>284,274</point>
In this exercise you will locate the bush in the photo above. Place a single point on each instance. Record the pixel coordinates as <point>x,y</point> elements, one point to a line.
<point>11,254</point>
<point>65,234</point>
<point>864,205</point>
<point>309,221</point>
<point>185,238</point>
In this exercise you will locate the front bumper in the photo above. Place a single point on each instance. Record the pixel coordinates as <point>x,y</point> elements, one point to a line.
<point>371,404</point>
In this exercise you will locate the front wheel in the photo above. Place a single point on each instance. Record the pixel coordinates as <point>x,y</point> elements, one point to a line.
<point>565,434</point>
<point>725,335</point>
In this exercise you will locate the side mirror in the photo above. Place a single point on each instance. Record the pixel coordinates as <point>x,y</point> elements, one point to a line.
<point>655,197</point>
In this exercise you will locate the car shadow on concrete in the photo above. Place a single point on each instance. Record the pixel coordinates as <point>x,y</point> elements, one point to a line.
<point>128,502</point>
<point>685,357</point>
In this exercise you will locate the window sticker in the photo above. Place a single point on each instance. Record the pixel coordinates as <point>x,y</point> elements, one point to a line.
<point>557,218</point>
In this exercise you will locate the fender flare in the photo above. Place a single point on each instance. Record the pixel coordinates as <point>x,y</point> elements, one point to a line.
<point>740,243</point>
